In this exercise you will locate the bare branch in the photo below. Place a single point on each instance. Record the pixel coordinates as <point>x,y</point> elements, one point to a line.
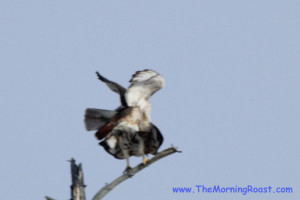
<point>108,187</point>
<point>77,187</point>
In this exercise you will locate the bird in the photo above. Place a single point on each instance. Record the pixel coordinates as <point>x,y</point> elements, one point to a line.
<point>128,130</point>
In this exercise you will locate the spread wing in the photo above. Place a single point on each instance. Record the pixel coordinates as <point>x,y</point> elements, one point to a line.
<point>114,87</point>
<point>143,85</point>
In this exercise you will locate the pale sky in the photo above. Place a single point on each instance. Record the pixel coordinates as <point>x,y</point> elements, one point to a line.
<point>231,101</point>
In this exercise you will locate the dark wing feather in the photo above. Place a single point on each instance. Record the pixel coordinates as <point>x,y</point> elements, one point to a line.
<point>114,87</point>
<point>152,140</point>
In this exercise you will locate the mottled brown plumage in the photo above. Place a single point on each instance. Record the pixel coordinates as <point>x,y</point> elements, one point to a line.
<point>128,131</point>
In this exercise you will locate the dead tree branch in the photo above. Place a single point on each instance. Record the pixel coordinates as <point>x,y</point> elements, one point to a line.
<point>108,187</point>
<point>77,187</point>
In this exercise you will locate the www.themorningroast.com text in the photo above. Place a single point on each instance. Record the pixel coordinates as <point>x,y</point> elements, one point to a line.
<point>235,189</point>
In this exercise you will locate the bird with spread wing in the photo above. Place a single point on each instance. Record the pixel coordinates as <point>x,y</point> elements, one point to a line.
<point>128,131</point>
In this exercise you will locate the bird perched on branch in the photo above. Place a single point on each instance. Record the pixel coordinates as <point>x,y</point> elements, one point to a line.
<point>128,131</point>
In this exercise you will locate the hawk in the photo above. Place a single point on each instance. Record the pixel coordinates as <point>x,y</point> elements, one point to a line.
<point>128,131</point>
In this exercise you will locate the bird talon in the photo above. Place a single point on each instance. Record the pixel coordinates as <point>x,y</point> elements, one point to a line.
<point>128,171</point>
<point>145,160</point>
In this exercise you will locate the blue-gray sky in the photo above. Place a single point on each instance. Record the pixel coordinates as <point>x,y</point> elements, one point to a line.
<point>231,101</point>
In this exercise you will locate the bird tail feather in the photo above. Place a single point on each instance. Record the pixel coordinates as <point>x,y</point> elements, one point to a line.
<point>96,118</point>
